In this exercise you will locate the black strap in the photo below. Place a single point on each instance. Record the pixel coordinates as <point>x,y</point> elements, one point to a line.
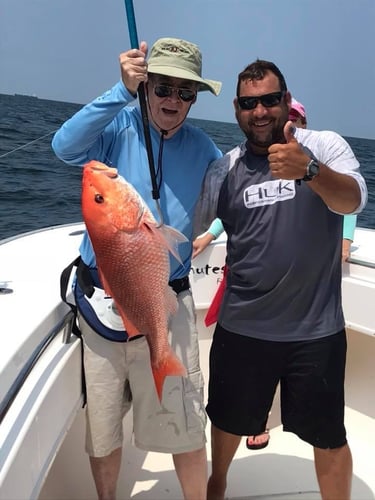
<point>180,285</point>
<point>64,281</point>
<point>84,279</point>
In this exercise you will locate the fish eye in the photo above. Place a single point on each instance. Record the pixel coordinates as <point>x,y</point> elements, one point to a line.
<point>99,198</point>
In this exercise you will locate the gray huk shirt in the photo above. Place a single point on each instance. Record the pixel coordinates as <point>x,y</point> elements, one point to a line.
<point>284,243</point>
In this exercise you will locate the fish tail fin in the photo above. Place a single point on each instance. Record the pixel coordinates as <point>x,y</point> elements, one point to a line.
<point>170,366</point>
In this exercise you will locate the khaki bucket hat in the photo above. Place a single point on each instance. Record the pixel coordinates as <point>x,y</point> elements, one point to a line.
<point>180,59</point>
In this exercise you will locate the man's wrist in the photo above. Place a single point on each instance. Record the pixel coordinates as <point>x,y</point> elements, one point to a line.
<point>312,170</point>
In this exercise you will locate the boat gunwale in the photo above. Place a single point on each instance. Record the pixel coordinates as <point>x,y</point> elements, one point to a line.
<point>64,324</point>
<point>43,229</point>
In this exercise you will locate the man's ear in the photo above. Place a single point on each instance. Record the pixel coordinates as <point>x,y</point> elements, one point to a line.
<point>237,109</point>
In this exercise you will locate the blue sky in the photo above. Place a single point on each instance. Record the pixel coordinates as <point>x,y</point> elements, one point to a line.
<point>67,50</point>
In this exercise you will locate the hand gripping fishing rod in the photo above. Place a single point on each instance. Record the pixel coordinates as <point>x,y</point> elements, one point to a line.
<point>142,102</point>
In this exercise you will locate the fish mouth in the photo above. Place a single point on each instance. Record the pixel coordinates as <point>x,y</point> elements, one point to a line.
<point>110,172</point>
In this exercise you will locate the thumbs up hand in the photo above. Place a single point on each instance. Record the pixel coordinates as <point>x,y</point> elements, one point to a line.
<point>289,130</point>
<point>288,160</point>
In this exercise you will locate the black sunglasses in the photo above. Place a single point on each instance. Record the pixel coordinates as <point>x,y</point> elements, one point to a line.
<point>186,95</point>
<point>267,100</point>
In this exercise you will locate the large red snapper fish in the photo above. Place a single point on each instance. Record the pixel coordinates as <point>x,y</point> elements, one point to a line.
<point>132,257</point>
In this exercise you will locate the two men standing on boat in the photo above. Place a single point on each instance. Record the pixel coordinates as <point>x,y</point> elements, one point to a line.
<point>281,195</point>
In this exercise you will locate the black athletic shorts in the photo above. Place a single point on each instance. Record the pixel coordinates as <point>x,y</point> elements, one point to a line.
<point>245,372</point>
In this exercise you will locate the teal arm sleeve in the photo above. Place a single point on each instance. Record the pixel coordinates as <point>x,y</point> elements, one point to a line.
<point>216,228</point>
<point>350,222</point>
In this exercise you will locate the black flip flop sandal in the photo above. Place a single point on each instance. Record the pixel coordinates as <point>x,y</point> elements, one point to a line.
<point>259,446</point>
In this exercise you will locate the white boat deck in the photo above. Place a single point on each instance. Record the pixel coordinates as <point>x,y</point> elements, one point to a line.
<point>282,471</point>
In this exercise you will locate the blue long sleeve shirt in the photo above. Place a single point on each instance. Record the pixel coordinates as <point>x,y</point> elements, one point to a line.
<point>111,131</point>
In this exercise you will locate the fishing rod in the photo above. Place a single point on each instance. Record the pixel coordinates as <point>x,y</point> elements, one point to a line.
<point>143,106</point>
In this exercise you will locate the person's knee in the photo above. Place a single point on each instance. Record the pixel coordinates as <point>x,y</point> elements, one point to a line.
<point>332,455</point>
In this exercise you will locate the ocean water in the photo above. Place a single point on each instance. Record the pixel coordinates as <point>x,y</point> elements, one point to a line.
<point>38,190</point>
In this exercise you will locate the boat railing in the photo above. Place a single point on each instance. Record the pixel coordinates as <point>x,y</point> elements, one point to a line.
<point>65,326</point>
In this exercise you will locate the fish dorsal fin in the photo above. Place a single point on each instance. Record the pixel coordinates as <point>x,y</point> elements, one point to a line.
<point>168,236</point>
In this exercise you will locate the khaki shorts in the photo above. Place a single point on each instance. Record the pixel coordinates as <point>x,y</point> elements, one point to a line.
<point>118,376</point>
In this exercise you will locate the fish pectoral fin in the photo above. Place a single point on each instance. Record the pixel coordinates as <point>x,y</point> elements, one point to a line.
<point>168,236</point>
<point>169,366</point>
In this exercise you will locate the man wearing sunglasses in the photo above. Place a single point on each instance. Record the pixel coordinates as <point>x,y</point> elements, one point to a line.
<point>280,195</point>
<point>110,130</point>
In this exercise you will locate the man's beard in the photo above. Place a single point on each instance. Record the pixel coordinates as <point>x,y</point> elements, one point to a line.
<point>276,136</point>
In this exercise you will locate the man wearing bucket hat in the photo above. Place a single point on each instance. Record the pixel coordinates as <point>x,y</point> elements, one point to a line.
<point>110,130</point>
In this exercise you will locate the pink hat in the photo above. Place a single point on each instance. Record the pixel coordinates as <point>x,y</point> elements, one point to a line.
<point>297,107</point>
